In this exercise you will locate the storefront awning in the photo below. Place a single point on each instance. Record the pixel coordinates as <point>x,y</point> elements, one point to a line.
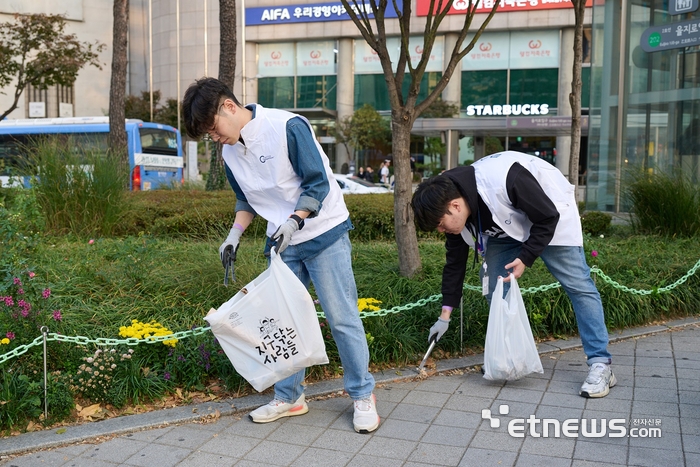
<point>540,125</point>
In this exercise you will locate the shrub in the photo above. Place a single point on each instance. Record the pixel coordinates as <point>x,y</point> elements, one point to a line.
<point>78,191</point>
<point>595,222</point>
<point>210,214</point>
<point>20,399</point>
<point>663,203</point>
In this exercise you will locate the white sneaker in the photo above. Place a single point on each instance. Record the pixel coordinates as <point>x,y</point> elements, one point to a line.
<point>366,419</point>
<point>598,382</point>
<point>277,409</point>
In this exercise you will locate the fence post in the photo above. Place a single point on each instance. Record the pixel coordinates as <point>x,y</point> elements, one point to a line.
<point>44,332</point>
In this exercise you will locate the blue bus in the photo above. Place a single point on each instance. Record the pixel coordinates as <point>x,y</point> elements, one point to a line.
<point>155,150</point>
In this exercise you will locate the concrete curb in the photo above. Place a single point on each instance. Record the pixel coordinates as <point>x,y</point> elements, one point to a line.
<point>131,423</point>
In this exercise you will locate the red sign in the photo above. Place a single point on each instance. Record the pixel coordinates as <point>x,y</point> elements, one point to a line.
<point>460,7</point>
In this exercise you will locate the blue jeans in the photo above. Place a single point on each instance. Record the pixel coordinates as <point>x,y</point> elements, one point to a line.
<point>331,273</point>
<point>568,265</point>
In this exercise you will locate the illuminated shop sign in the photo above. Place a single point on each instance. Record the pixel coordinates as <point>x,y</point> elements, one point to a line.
<point>329,11</point>
<point>504,110</point>
<point>460,7</point>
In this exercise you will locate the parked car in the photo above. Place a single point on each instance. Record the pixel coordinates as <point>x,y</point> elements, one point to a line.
<point>349,184</point>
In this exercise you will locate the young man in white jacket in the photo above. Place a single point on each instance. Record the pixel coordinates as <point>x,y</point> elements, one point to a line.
<point>279,171</point>
<point>513,208</point>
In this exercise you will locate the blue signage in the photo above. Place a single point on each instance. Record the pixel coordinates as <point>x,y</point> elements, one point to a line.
<point>307,13</point>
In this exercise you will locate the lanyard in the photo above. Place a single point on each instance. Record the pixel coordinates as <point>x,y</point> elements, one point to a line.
<point>480,237</point>
<point>482,253</point>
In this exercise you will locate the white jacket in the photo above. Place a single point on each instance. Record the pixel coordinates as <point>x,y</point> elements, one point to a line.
<point>265,174</point>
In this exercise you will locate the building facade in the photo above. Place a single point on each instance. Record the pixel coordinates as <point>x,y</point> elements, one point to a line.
<point>640,64</point>
<point>90,21</point>
<point>645,102</point>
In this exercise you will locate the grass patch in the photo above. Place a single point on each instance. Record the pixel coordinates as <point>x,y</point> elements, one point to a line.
<point>98,285</point>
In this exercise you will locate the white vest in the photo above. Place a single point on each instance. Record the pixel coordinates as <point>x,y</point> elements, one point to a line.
<point>491,173</point>
<point>265,174</point>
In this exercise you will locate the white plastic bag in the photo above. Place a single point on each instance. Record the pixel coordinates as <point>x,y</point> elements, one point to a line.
<point>510,352</point>
<point>269,330</point>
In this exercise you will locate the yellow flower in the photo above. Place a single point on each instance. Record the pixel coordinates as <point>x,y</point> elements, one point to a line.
<point>368,304</point>
<point>5,341</point>
<point>147,330</point>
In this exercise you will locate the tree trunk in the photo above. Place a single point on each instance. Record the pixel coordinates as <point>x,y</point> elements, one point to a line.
<point>575,96</point>
<point>227,74</point>
<point>117,88</point>
<point>406,239</point>
<point>227,42</point>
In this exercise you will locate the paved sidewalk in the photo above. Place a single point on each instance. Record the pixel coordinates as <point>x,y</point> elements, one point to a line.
<point>434,421</point>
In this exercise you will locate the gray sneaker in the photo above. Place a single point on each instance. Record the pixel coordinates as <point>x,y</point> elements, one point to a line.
<point>598,382</point>
<point>277,409</point>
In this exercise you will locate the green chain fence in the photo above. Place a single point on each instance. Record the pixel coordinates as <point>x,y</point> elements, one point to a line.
<point>16,352</point>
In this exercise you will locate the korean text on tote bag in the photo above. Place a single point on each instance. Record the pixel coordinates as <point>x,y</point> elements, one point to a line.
<point>269,330</point>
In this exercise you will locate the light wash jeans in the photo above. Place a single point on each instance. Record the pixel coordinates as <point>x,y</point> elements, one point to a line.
<point>331,273</point>
<point>568,265</point>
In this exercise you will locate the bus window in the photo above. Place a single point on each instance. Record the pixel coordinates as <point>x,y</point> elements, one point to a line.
<point>157,141</point>
<point>158,162</point>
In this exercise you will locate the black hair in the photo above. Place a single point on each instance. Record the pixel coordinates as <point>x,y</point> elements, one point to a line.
<point>202,102</point>
<point>431,201</point>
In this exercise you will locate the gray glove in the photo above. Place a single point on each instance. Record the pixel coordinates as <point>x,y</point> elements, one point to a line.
<point>230,246</point>
<point>438,329</point>
<point>284,234</point>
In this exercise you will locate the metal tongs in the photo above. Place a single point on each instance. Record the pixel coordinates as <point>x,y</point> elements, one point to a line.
<point>229,258</point>
<point>433,341</point>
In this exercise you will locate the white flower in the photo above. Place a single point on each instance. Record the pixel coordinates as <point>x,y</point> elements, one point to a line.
<point>602,236</point>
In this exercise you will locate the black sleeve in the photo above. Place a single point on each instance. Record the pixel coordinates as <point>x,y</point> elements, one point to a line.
<point>527,195</point>
<point>456,255</point>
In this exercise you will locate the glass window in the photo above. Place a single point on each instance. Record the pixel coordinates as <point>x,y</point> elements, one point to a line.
<point>371,89</point>
<point>484,87</point>
<point>316,91</point>
<point>276,92</point>
<point>585,87</point>
<point>534,86</point>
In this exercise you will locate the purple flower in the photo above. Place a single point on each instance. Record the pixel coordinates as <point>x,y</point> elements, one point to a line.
<point>46,293</point>
<point>10,335</point>
<point>17,281</point>
<point>24,312</point>
<point>24,305</point>
<point>166,375</point>
<point>20,291</point>
<point>594,253</point>
<point>9,301</point>
<point>57,315</point>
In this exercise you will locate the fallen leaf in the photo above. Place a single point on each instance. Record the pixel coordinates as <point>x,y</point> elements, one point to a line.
<point>60,431</point>
<point>90,411</point>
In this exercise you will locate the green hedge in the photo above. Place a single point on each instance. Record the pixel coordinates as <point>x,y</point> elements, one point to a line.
<point>209,215</point>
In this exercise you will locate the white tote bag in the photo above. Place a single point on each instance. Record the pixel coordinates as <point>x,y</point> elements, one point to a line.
<point>269,330</point>
<point>510,351</point>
